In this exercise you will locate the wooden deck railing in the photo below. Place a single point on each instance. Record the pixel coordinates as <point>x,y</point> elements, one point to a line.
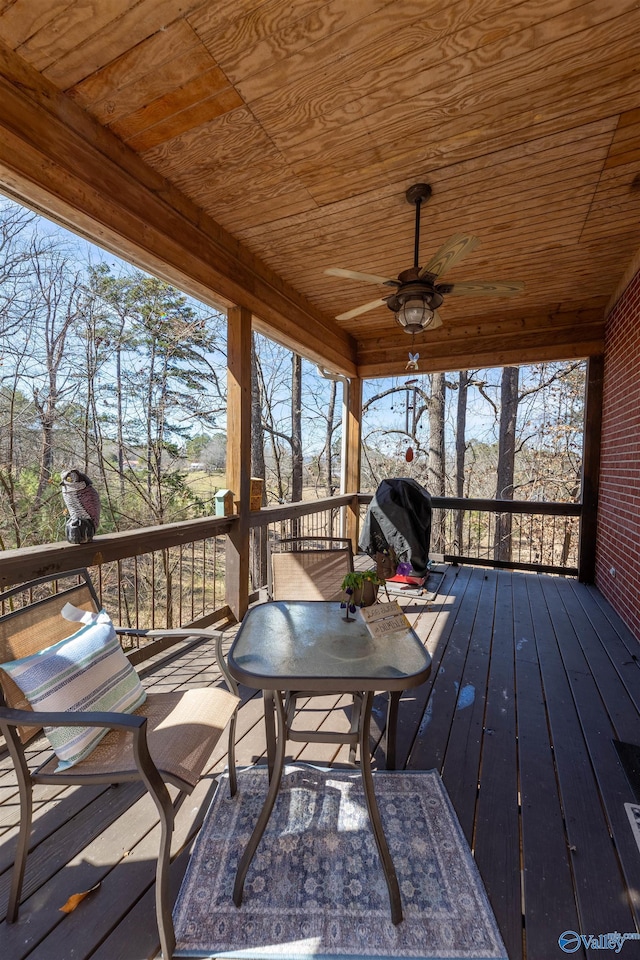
<point>174,574</point>
<point>518,534</point>
<point>154,577</point>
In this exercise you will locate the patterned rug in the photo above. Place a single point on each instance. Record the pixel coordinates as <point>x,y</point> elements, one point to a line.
<point>315,887</point>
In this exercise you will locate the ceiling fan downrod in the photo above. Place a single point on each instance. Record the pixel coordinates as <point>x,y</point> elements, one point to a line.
<point>418,194</point>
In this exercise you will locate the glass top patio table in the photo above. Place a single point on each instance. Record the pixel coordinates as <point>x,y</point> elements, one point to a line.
<point>306,646</point>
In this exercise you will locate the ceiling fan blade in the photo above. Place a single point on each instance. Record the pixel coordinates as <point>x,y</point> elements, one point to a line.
<point>436,322</point>
<point>354,275</point>
<point>486,288</point>
<point>363,308</point>
<point>449,254</point>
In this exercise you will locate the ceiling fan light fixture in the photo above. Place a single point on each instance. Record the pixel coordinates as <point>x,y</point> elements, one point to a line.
<point>414,315</point>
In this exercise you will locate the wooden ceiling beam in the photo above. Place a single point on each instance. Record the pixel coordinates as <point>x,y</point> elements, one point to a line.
<point>575,334</point>
<point>58,160</point>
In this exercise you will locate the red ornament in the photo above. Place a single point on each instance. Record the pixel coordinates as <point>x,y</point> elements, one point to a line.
<point>409,454</point>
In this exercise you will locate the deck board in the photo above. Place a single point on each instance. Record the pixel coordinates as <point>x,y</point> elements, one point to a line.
<point>546,871</point>
<point>532,679</point>
<point>601,905</point>
<point>496,840</point>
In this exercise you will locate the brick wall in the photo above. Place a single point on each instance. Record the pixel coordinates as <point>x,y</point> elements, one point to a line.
<point>618,536</point>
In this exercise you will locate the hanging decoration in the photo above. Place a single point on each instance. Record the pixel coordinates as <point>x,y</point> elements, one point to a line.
<point>409,454</point>
<point>412,363</point>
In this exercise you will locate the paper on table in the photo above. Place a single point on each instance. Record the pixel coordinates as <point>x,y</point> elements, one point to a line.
<point>384,618</point>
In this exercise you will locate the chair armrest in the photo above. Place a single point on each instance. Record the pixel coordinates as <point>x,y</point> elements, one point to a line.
<point>71,718</point>
<point>133,723</point>
<point>181,632</point>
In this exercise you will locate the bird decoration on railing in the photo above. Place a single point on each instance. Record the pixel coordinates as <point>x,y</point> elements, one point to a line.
<point>83,503</point>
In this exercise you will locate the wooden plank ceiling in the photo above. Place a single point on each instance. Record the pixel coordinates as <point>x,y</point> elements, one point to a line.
<point>297,127</point>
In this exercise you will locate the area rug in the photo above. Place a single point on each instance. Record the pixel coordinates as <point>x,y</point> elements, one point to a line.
<point>315,887</point>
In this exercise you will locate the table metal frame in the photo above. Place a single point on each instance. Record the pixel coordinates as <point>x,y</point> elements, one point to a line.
<point>275,689</point>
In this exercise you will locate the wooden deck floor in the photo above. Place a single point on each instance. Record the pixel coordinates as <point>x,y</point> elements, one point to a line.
<point>533,677</point>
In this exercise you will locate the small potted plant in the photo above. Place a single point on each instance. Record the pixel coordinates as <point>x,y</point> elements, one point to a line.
<point>359,589</point>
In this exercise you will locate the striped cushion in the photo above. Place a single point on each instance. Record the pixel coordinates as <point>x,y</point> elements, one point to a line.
<point>87,671</point>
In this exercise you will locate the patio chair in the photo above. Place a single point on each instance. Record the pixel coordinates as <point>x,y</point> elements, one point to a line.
<point>166,740</point>
<point>310,568</point>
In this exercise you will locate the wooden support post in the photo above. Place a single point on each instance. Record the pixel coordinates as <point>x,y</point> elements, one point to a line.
<point>353,449</point>
<point>238,456</point>
<point>591,470</point>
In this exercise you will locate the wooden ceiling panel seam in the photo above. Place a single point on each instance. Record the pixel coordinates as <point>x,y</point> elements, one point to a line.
<point>447,203</point>
<point>146,58</point>
<point>529,204</point>
<point>495,137</point>
<point>337,40</point>
<point>497,75</point>
<point>565,223</point>
<point>22,19</point>
<point>441,179</point>
<point>335,188</point>
<point>156,83</point>
<point>191,118</point>
<point>197,88</point>
<point>630,271</point>
<point>95,179</point>
<point>70,31</point>
<point>367,42</point>
<point>505,118</point>
<point>141,21</point>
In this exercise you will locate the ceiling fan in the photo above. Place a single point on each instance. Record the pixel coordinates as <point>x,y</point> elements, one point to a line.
<point>418,293</point>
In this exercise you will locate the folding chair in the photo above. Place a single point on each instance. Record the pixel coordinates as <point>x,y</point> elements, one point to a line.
<point>166,740</point>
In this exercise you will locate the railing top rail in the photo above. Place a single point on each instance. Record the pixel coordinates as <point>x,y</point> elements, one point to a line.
<point>552,508</point>
<point>261,518</point>
<point>27,563</point>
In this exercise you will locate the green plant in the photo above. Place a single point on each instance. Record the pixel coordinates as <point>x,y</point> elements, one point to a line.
<point>357,578</point>
<point>353,586</point>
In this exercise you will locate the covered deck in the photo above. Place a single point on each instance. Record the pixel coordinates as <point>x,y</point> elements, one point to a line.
<point>245,152</point>
<point>533,677</point>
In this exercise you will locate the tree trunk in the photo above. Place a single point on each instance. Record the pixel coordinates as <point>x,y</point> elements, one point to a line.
<point>436,457</point>
<point>296,436</point>
<point>258,556</point>
<point>506,459</point>
<point>296,428</point>
<point>330,486</point>
<point>258,468</point>
<point>461,450</point>
<point>47,416</point>
<point>120,422</point>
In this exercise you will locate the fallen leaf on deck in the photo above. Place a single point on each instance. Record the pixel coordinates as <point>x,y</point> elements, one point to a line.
<point>77,898</point>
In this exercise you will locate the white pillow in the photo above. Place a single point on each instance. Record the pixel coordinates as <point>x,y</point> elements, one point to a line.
<point>87,671</point>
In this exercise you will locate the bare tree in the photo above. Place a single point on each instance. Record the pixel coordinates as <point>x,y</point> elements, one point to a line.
<point>296,428</point>
<point>59,291</point>
<point>506,459</point>
<point>258,469</point>
<point>436,484</point>
<point>461,450</point>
